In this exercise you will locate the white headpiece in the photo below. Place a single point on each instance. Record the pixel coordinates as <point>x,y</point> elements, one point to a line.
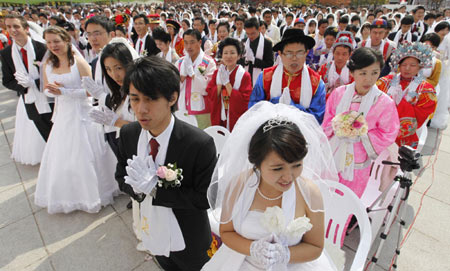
<point>234,179</point>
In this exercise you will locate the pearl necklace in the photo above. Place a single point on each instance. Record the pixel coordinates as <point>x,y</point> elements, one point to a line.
<point>267,198</point>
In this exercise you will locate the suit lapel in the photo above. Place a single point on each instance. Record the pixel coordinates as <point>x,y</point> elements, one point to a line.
<point>174,142</point>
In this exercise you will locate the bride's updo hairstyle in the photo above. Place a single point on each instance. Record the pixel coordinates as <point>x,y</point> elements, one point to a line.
<point>364,57</point>
<point>281,136</point>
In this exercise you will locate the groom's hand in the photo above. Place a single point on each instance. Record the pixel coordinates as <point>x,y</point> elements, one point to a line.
<point>141,174</point>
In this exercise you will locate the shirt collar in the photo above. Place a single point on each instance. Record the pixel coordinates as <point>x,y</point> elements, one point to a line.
<point>163,138</point>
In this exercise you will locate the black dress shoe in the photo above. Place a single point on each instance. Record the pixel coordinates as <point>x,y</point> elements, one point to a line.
<point>130,205</point>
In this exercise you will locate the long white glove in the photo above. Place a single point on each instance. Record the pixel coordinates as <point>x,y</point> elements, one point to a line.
<point>24,80</point>
<point>190,71</point>
<point>262,251</point>
<point>104,116</point>
<point>141,174</point>
<point>249,56</point>
<point>74,93</point>
<point>224,76</point>
<point>280,253</point>
<point>93,88</point>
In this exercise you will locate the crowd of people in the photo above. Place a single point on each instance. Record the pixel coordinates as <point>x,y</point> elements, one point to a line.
<point>309,94</point>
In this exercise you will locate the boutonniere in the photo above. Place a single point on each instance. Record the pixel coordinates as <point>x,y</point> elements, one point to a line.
<point>144,53</point>
<point>202,70</point>
<point>169,176</point>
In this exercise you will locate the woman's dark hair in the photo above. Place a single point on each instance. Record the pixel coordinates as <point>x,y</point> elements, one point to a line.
<point>120,52</point>
<point>442,25</point>
<point>431,37</point>
<point>223,23</point>
<point>163,75</point>
<point>187,21</point>
<point>364,57</point>
<point>261,23</point>
<point>121,29</point>
<point>160,34</point>
<point>286,140</point>
<point>64,35</point>
<point>227,42</point>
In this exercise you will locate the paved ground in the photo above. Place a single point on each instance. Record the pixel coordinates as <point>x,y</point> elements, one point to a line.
<point>31,239</point>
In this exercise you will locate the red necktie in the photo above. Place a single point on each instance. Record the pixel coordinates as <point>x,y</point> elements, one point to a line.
<point>401,39</point>
<point>154,148</point>
<point>24,57</point>
<point>414,28</point>
<point>140,46</point>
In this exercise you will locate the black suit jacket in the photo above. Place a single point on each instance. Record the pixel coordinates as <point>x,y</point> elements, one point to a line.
<point>267,60</point>
<point>392,36</point>
<point>9,69</point>
<point>150,45</point>
<point>193,151</point>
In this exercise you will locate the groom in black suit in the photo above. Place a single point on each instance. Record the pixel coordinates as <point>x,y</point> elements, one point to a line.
<point>153,87</point>
<point>18,28</point>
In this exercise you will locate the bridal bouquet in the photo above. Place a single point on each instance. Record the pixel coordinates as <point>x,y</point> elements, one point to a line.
<point>274,221</point>
<point>349,124</point>
<point>169,176</point>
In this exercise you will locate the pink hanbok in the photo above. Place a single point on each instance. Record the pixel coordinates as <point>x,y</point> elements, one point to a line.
<point>383,126</point>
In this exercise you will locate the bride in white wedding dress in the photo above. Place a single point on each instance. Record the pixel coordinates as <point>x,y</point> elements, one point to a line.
<point>270,210</point>
<point>77,168</point>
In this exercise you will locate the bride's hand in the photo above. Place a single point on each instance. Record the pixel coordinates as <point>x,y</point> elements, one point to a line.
<point>53,88</point>
<point>261,250</point>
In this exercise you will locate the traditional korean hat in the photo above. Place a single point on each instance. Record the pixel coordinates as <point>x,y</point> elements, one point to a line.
<point>418,50</point>
<point>344,38</point>
<point>153,18</point>
<point>379,23</point>
<point>176,26</point>
<point>294,35</point>
<point>299,21</point>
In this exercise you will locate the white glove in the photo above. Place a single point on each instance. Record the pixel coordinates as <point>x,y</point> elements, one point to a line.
<point>190,71</point>
<point>141,174</point>
<point>224,76</point>
<point>280,253</point>
<point>48,94</point>
<point>262,251</point>
<point>249,57</point>
<point>24,80</point>
<point>93,88</point>
<point>104,116</point>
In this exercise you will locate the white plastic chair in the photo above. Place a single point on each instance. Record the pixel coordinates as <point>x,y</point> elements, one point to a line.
<point>183,115</point>
<point>338,208</point>
<point>219,134</point>
<point>373,191</point>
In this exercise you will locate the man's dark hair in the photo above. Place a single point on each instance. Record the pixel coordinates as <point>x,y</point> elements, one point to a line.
<point>331,31</point>
<point>164,76</point>
<point>442,25</point>
<point>193,33</point>
<point>43,15</point>
<point>239,18</point>
<point>102,21</point>
<point>407,20</point>
<point>433,38</point>
<point>141,15</point>
<point>429,16</point>
<point>343,20</point>
<point>252,22</point>
<point>23,21</point>
<point>356,18</point>
<point>321,22</point>
<point>417,8</point>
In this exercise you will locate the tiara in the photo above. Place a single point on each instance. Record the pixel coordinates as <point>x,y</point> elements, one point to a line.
<point>418,50</point>
<point>278,121</point>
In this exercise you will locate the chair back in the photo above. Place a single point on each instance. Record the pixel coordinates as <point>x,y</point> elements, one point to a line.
<point>182,115</point>
<point>340,203</point>
<point>219,134</point>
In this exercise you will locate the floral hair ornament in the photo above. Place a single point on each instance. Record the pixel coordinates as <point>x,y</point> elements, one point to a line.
<point>121,19</point>
<point>278,121</point>
<point>418,50</point>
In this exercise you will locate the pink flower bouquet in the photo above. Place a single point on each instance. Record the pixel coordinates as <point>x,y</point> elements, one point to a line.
<point>350,124</point>
<point>169,176</point>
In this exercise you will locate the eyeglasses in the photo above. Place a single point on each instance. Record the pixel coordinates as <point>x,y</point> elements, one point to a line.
<point>297,54</point>
<point>95,34</point>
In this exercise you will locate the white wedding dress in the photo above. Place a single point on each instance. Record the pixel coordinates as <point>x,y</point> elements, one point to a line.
<point>77,167</point>
<point>28,143</point>
<point>227,259</point>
